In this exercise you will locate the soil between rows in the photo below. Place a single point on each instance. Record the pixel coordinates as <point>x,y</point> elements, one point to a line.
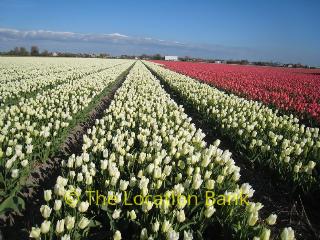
<point>44,175</point>
<point>301,212</point>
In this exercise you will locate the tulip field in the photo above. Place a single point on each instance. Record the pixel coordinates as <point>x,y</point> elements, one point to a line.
<point>267,137</point>
<point>144,169</point>
<point>295,90</point>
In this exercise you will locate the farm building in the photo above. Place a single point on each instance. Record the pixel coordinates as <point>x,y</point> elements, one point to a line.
<point>171,58</point>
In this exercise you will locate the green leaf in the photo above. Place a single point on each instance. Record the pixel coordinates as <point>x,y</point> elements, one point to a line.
<point>12,203</point>
<point>94,223</point>
<point>105,208</point>
<point>186,225</point>
<point>1,178</point>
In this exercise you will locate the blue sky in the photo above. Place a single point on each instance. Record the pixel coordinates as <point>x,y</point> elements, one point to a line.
<point>283,30</point>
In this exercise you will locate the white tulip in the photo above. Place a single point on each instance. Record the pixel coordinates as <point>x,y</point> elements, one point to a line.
<point>66,237</point>
<point>60,226</point>
<point>47,195</point>
<point>83,207</point>
<point>287,234</point>
<point>45,226</point>
<point>35,233</point>
<point>165,226</point>
<point>45,211</point>
<point>84,222</point>
<point>265,235</point>
<point>132,215</point>
<point>187,235</point>
<point>181,216</point>
<point>14,173</point>
<point>155,226</point>
<point>57,205</point>
<point>271,220</point>
<point>69,222</point>
<point>116,213</point>
<point>144,234</point>
<point>117,235</point>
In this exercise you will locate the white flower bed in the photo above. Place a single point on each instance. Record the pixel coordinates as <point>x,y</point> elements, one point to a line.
<point>273,140</point>
<point>34,77</point>
<point>32,130</point>
<point>145,145</point>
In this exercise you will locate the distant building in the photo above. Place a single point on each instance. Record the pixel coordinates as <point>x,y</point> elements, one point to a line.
<point>171,58</point>
<point>54,54</point>
<point>218,61</point>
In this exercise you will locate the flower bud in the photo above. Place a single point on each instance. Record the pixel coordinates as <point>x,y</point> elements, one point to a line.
<point>60,226</point>
<point>265,235</point>
<point>45,226</point>
<point>165,226</point>
<point>35,233</point>
<point>181,217</point>
<point>15,173</point>
<point>132,215</point>
<point>144,234</point>
<point>271,220</point>
<point>84,222</point>
<point>287,234</point>
<point>69,222</point>
<point>57,205</point>
<point>47,195</point>
<point>155,226</point>
<point>117,235</point>
<point>45,211</point>
<point>83,207</point>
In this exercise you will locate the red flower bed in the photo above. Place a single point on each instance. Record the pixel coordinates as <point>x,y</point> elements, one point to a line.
<point>289,89</point>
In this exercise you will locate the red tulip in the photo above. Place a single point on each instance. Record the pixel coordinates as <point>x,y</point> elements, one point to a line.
<point>289,89</point>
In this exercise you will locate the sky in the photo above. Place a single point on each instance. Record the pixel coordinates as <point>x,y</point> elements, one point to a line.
<point>283,30</point>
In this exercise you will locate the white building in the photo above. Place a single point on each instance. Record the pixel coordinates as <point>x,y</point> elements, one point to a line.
<point>171,58</point>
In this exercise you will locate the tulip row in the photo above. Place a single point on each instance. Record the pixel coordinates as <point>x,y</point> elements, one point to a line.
<point>13,69</point>
<point>33,129</point>
<point>145,145</point>
<point>22,68</point>
<point>43,78</point>
<point>267,137</point>
<point>288,89</point>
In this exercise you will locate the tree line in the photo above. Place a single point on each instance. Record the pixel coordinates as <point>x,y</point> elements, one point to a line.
<point>34,51</point>
<point>22,51</point>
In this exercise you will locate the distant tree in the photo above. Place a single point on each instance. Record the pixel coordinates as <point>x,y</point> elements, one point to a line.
<point>244,62</point>
<point>34,51</point>
<point>45,53</point>
<point>104,55</point>
<point>144,56</point>
<point>157,57</point>
<point>16,51</point>
<point>23,51</point>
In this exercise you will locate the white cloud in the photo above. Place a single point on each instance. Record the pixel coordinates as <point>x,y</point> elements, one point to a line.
<point>118,35</point>
<point>116,43</point>
<point>13,34</point>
